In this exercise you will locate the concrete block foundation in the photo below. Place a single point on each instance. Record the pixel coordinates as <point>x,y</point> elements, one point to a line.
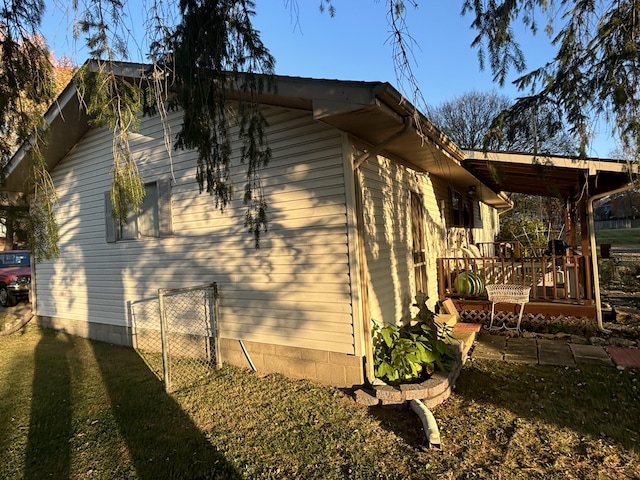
<point>330,368</point>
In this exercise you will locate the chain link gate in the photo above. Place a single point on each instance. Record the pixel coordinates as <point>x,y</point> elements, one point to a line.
<point>144,314</point>
<point>189,334</point>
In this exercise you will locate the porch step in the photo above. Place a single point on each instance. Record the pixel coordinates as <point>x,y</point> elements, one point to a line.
<point>467,327</point>
<point>466,334</point>
<point>462,332</point>
<point>447,319</point>
<point>466,339</point>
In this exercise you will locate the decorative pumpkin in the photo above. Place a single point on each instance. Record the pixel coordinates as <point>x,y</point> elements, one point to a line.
<point>468,283</point>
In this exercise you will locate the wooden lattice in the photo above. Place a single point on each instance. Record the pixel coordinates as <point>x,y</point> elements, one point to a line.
<point>529,321</point>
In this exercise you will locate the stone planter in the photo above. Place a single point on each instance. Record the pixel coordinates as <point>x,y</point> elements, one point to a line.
<point>433,391</point>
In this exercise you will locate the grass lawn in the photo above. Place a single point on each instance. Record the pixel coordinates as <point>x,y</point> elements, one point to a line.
<point>619,237</point>
<point>7,320</point>
<point>75,409</point>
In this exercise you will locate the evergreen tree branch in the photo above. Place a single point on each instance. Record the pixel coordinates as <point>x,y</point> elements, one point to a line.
<point>112,100</point>
<point>215,50</point>
<point>43,231</point>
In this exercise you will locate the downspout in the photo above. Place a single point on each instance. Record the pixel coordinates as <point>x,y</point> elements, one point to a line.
<point>369,370</point>
<point>506,199</point>
<point>428,423</point>
<point>594,253</point>
<point>505,210</point>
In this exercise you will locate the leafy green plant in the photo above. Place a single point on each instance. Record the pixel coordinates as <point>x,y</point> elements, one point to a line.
<point>526,230</point>
<point>411,352</point>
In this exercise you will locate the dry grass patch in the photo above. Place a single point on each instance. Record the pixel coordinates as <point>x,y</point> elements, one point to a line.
<point>75,409</point>
<point>519,421</point>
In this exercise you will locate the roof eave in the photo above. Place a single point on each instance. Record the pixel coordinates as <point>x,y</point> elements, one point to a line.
<point>369,111</point>
<point>545,175</point>
<point>66,122</point>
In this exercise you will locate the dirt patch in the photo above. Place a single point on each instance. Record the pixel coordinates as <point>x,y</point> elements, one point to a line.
<point>14,318</point>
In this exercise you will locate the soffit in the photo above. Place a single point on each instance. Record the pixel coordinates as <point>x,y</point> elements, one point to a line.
<point>424,150</point>
<point>67,122</point>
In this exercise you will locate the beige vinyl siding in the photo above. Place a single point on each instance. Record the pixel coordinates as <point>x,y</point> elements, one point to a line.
<point>294,290</point>
<point>486,223</point>
<point>386,191</point>
<point>387,242</point>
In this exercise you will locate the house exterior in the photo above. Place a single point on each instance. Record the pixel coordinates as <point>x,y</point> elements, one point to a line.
<point>363,192</point>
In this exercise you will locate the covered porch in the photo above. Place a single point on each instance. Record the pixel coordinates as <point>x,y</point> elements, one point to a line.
<point>560,283</point>
<point>563,274</point>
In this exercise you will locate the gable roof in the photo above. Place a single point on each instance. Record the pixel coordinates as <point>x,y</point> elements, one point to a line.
<point>374,113</point>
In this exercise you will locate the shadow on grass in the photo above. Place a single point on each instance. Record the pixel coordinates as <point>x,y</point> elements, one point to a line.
<point>404,423</point>
<point>162,440</point>
<point>48,447</point>
<point>594,401</point>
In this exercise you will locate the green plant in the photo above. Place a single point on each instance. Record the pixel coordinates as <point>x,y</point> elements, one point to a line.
<point>411,352</point>
<point>528,231</point>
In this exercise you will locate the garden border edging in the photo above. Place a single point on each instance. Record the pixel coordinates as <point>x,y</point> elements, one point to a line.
<point>433,391</point>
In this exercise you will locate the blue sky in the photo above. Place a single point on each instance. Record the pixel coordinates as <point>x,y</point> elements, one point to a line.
<point>354,45</point>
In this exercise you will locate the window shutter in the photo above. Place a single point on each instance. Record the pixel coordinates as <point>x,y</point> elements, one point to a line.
<point>164,207</point>
<point>110,223</point>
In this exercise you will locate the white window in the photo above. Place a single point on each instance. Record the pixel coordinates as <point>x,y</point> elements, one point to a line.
<point>461,211</point>
<point>153,218</point>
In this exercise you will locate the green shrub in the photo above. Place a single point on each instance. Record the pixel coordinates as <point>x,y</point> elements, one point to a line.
<point>528,231</point>
<point>412,352</point>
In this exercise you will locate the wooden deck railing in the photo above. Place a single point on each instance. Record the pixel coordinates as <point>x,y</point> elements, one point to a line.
<point>511,249</point>
<point>551,278</point>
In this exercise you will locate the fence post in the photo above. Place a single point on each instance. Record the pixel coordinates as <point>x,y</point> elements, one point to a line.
<point>216,326</point>
<point>164,342</point>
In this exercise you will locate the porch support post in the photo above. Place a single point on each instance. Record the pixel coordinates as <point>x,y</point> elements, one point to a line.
<point>570,223</point>
<point>584,230</point>
<point>587,274</point>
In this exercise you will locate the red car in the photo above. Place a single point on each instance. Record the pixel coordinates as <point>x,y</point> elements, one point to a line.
<point>15,276</point>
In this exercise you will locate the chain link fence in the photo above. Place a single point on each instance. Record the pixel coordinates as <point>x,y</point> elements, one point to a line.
<point>176,334</point>
<point>145,320</point>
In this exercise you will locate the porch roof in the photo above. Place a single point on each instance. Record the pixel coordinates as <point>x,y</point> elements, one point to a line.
<point>550,176</point>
